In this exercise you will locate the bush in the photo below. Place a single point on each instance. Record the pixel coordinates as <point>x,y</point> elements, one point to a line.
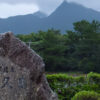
<point>94,78</point>
<point>67,86</point>
<point>86,95</point>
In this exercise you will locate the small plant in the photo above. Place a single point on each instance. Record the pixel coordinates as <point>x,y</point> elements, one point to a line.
<point>94,78</point>
<point>67,86</point>
<point>86,95</point>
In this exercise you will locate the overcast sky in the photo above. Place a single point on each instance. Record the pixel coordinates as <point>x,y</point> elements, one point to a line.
<point>21,7</point>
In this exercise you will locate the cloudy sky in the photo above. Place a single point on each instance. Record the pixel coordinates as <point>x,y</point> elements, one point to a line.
<point>21,7</point>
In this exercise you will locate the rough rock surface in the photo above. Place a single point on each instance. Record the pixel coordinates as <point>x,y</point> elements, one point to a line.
<point>21,72</point>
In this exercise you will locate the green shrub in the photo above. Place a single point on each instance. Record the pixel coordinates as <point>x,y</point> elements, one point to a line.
<point>67,86</point>
<point>80,79</point>
<point>86,95</point>
<point>94,78</point>
<point>91,87</point>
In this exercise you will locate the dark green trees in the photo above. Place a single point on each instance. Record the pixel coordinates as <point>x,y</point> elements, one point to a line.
<point>77,50</point>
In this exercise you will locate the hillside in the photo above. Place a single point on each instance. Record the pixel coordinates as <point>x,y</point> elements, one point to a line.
<point>62,18</point>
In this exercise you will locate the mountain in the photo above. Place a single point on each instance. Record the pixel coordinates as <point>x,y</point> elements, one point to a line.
<point>19,24</point>
<point>40,14</point>
<point>68,13</point>
<point>62,18</point>
<point>22,23</point>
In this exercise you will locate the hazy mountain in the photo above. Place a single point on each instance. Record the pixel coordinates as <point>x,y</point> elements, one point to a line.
<point>19,24</point>
<point>40,14</point>
<point>62,18</point>
<point>68,13</point>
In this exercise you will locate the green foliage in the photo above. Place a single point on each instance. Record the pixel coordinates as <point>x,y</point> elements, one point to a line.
<point>77,50</point>
<point>94,78</point>
<point>67,86</point>
<point>86,95</point>
<point>53,51</point>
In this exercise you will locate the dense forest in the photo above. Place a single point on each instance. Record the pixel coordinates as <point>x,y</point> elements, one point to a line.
<point>77,50</point>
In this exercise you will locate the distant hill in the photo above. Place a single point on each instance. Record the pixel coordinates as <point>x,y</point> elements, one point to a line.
<point>40,14</point>
<point>62,18</point>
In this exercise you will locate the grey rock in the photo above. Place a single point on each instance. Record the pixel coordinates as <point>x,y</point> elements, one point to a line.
<point>22,74</point>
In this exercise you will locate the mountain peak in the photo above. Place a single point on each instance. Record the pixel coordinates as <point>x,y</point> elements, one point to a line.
<point>62,19</point>
<point>64,2</point>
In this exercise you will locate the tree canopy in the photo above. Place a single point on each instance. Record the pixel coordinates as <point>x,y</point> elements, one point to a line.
<point>77,50</point>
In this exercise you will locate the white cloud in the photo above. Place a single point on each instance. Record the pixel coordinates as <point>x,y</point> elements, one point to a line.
<point>17,1</point>
<point>48,6</point>
<point>18,9</point>
<point>94,4</point>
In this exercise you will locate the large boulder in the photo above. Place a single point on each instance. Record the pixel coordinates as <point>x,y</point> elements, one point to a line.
<point>22,74</point>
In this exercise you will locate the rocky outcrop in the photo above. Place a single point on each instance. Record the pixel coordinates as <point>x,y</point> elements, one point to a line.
<point>22,72</point>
